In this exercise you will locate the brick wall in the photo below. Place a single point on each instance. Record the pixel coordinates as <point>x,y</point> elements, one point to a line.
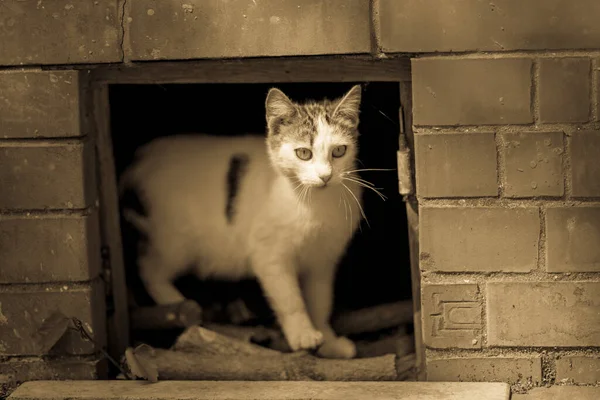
<point>507,143</point>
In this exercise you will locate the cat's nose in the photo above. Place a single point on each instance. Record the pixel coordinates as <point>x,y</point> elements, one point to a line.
<point>325,178</point>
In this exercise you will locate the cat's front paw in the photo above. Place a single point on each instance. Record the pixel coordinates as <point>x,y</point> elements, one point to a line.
<point>304,339</point>
<point>339,347</point>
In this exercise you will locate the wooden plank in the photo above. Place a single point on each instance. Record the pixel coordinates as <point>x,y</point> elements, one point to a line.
<point>238,390</point>
<point>118,323</point>
<point>259,70</point>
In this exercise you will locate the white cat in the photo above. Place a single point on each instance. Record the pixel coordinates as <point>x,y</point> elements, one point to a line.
<point>282,210</point>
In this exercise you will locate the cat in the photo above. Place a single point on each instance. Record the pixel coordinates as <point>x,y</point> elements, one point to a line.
<point>281,208</point>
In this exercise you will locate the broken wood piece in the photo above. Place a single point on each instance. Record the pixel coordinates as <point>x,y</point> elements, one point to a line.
<point>199,340</point>
<point>399,345</point>
<point>181,315</point>
<point>181,365</point>
<point>406,367</point>
<point>373,319</point>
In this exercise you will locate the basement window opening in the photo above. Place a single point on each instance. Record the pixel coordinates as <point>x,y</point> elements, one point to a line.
<point>226,330</point>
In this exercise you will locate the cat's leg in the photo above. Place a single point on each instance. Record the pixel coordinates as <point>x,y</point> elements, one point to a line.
<point>157,274</point>
<point>279,281</point>
<point>317,287</point>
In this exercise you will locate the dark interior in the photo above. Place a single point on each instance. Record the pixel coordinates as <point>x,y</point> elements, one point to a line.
<point>376,268</point>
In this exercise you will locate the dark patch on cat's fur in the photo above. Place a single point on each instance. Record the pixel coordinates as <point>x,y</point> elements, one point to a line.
<point>238,166</point>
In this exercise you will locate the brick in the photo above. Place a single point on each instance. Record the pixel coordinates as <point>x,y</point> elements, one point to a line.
<point>478,239</point>
<point>548,314</point>
<point>451,316</point>
<point>39,104</point>
<point>35,368</point>
<point>60,32</point>
<point>491,369</point>
<point>456,165</point>
<point>533,164</point>
<point>471,91</point>
<point>572,237</point>
<point>578,369</point>
<point>47,175</point>
<point>207,29</point>
<point>584,155</point>
<point>49,249</point>
<point>564,89</point>
<point>560,393</point>
<point>23,311</point>
<point>502,25</point>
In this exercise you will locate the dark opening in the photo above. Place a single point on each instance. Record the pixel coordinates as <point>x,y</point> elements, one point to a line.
<point>376,268</point>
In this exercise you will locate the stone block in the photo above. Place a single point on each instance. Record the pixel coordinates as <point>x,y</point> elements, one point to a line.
<point>59,32</point>
<point>47,176</point>
<point>572,237</point>
<point>456,165</point>
<point>564,90</point>
<point>584,155</point>
<point>213,29</point>
<point>491,369</point>
<point>451,316</point>
<point>578,369</point>
<point>23,369</point>
<point>481,239</point>
<point>471,91</point>
<point>502,25</point>
<point>560,393</point>
<point>533,164</point>
<point>543,314</point>
<point>23,311</point>
<point>49,249</point>
<point>39,104</point>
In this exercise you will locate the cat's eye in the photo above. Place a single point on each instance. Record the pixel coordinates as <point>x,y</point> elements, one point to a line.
<point>304,154</point>
<point>339,151</point>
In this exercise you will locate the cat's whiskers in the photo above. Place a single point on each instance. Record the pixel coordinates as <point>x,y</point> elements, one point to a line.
<point>357,203</point>
<point>369,169</point>
<point>367,185</point>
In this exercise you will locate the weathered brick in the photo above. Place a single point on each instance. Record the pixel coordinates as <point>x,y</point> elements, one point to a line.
<point>559,392</point>
<point>49,249</point>
<point>585,153</point>
<point>471,91</point>
<point>564,89</point>
<point>471,25</point>
<point>533,164</point>
<point>59,32</point>
<point>579,369</point>
<point>479,239</point>
<point>46,175</point>
<point>456,165</point>
<point>22,312</point>
<point>557,314</point>
<point>39,104</point>
<point>451,316</point>
<point>572,237</point>
<point>23,369</point>
<point>491,369</point>
<point>206,29</point>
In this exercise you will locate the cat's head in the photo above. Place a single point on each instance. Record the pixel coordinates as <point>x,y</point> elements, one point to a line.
<point>316,142</point>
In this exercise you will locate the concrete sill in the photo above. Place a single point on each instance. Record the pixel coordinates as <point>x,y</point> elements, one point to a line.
<point>236,390</point>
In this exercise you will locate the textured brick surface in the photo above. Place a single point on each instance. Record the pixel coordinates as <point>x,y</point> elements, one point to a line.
<point>39,104</point>
<point>461,25</point>
<point>564,89</point>
<point>59,32</point>
<point>471,91</point>
<point>479,239</point>
<point>560,393</point>
<point>572,237</point>
<point>578,369</point>
<point>456,165</point>
<point>557,314</point>
<point>492,369</point>
<point>49,249</point>
<point>585,153</point>
<point>533,164</point>
<point>52,175</point>
<point>22,312</point>
<point>451,316</point>
<point>212,29</point>
<point>23,369</point>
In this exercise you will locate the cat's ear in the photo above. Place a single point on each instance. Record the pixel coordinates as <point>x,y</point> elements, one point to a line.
<point>348,107</point>
<point>279,106</point>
